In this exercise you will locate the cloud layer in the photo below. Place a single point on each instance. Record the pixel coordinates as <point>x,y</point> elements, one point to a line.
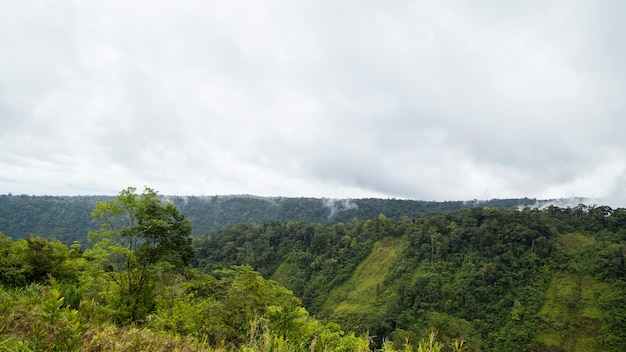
<point>424,100</point>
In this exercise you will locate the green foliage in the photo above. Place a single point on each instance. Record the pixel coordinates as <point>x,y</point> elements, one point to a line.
<point>67,218</point>
<point>140,240</point>
<point>33,260</point>
<point>357,302</point>
<point>64,218</point>
<point>221,310</point>
<point>142,224</point>
<point>60,328</point>
<point>40,320</point>
<point>473,280</point>
<point>478,275</point>
<point>312,258</point>
<point>571,316</point>
<point>238,311</point>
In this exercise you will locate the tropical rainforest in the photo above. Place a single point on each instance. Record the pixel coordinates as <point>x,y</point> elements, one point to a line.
<point>68,219</point>
<point>475,278</point>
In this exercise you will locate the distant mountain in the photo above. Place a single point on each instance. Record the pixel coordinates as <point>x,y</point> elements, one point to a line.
<point>68,218</point>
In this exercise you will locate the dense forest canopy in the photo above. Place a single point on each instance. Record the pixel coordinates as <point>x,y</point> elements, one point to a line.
<point>497,278</point>
<point>68,218</point>
<point>476,279</point>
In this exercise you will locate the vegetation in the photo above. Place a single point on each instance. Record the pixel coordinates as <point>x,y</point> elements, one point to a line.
<point>67,218</point>
<point>140,241</point>
<point>478,279</point>
<point>486,276</point>
<point>133,291</point>
<point>241,311</point>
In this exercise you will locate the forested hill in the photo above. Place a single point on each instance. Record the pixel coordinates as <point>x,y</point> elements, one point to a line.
<point>515,280</point>
<point>68,218</point>
<point>479,279</point>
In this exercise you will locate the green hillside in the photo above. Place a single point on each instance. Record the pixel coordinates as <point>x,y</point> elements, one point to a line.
<point>134,291</point>
<point>360,296</point>
<point>524,280</point>
<point>68,218</point>
<point>495,280</point>
<point>572,315</point>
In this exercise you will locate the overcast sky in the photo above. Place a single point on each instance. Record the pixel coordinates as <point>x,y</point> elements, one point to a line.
<point>430,100</point>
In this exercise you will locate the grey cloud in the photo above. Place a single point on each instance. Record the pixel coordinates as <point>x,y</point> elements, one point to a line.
<point>438,100</point>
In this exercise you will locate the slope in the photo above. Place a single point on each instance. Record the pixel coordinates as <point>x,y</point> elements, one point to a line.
<point>360,296</point>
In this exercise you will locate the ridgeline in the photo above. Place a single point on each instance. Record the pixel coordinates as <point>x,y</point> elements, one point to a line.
<point>305,274</point>
<point>68,218</point>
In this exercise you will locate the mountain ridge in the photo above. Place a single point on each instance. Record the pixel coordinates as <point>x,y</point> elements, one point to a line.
<point>68,218</point>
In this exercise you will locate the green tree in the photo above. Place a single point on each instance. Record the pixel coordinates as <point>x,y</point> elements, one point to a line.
<point>139,237</point>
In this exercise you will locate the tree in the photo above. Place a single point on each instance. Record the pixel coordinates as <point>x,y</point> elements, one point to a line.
<point>139,236</point>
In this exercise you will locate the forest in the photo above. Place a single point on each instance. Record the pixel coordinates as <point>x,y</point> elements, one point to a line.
<point>471,279</point>
<point>68,218</point>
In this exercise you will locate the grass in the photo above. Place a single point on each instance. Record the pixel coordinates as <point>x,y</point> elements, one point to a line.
<point>571,315</point>
<point>358,294</point>
<point>575,240</point>
<point>281,275</point>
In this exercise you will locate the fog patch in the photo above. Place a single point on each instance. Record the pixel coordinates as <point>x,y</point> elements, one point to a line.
<point>338,205</point>
<point>571,202</point>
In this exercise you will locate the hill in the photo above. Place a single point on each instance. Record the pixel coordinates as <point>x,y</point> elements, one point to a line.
<point>68,218</point>
<point>523,280</point>
<point>537,280</point>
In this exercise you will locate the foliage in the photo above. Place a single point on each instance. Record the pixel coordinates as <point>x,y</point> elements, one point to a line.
<point>472,280</point>
<point>236,311</point>
<point>481,275</point>
<point>359,302</point>
<point>571,315</point>
<point>139,242</point>
<point>64,218</point>
<point>33,259</point>
<point>135,276</point>
<point>67,218</point>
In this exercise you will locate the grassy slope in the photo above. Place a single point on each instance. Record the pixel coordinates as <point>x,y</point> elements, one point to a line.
<point>572,317</point>
<point>358,295</point>
<point>281,275</point>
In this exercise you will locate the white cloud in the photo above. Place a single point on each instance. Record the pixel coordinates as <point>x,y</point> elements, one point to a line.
<point>428,100</point>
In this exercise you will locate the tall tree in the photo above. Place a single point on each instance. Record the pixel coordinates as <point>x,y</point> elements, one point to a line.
<point>139,235</point>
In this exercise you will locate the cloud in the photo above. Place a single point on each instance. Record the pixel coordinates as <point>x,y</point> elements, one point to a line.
<point>338,205</point>
<point>427,100</point>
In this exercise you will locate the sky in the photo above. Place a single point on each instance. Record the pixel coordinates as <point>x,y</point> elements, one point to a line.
<point>426,100</point>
